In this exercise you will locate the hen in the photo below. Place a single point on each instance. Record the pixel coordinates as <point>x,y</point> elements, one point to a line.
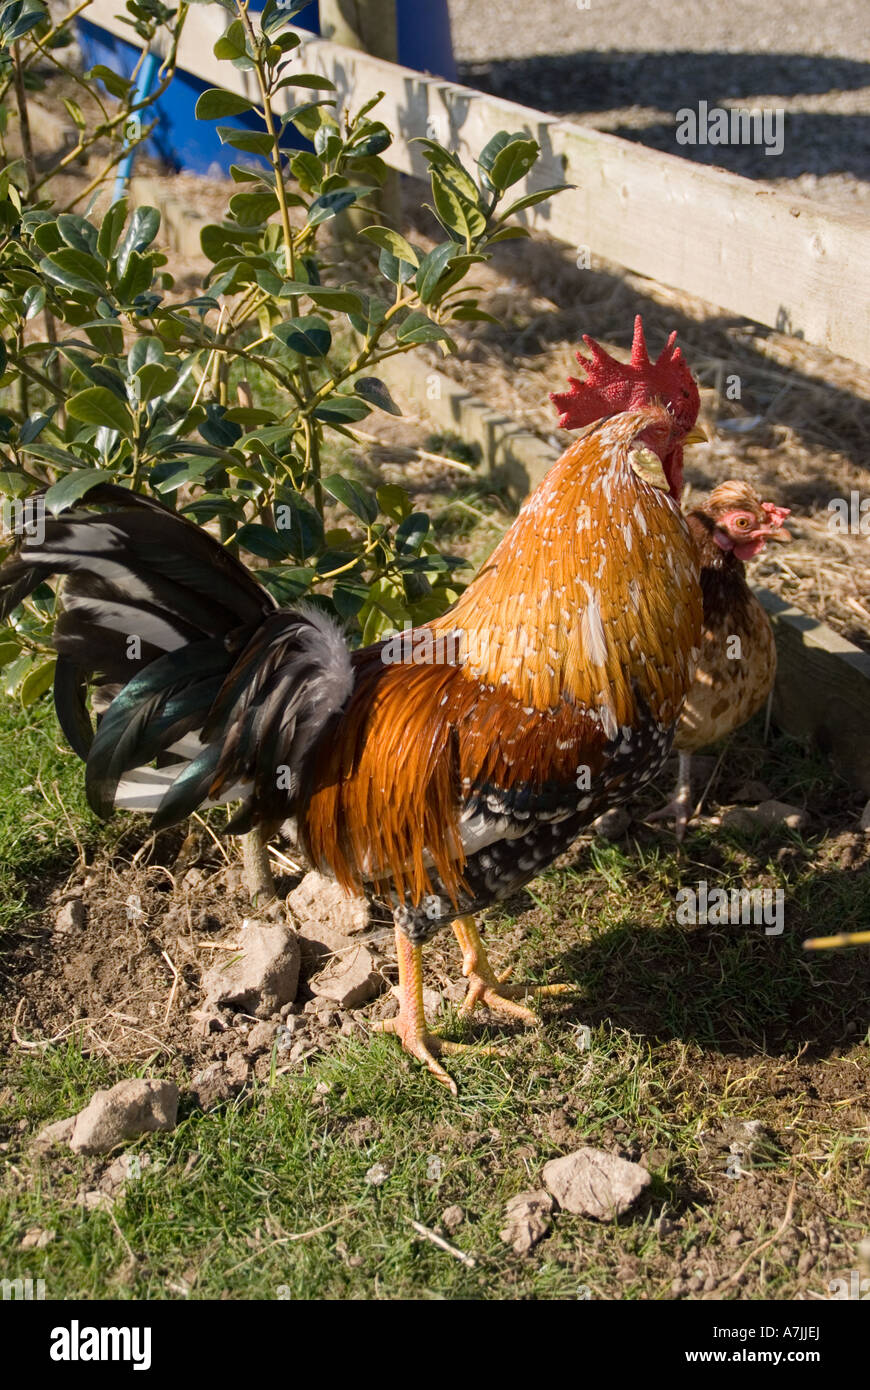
<point>436,787</point>
<point>737,665</point>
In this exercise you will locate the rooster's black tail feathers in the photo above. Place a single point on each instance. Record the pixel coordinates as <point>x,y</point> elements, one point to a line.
<point>191,656</point>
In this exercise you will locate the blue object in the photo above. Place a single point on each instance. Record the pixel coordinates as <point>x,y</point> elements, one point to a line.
<point>144,83</point>
<point>182,142</point>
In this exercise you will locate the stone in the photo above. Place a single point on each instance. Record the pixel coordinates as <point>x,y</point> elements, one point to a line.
<point>740,818</point>
<point>131,1108</point>
<point>318,901</point>
<point>263,976</point>
<point>613,824</point>
<point>219,1082</point>
<point>864,822</point>
<point>377,1175</point>
<point>348,977</point>
<point>36,1238</point>
<point>71,916</point>
<point>591,1182</point>
<point>780,813</point>
<point>58,1133</point>
<point>752,790</point>
<point>529,1218</point>
<point>260,1038</point>
<point>452,1218</point>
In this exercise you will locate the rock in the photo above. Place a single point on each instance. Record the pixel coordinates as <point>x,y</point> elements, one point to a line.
<point>58,1133</point>
<point>864,822</point>
<point>349,977</point>
<point>433,1002</point>
<point>613,824</point>
<point>529,1217</point>
<point>752,790</point>
<point>260,1038</point>
<point>377,1175</point>
<point>132,1107</point>
<point>319,902</point>
<point>780,813</point>
<point>591,1182</point>
<point>70,917</point>
<point>740,818</point>
<point>219,1082</point>
<point>127,1167</point>
<point>263,976</point>
<point>36,1238</point>
<point>452,1218</point>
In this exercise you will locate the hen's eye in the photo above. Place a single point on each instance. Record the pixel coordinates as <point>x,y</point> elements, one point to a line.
<point>742,523</point>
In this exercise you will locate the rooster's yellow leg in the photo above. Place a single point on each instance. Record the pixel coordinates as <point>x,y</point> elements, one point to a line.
<point>409,1025</point>
<point>484,986</point>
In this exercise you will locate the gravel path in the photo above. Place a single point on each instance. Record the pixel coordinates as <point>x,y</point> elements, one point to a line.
<point>627,66</point>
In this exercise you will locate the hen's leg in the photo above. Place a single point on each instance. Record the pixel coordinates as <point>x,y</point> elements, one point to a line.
<point>680,807</point>
<point>484,986</point>
<point>409,1025</point>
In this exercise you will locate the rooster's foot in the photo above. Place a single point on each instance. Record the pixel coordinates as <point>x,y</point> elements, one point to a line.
<point>409,1025</point>
<point>485,987</point>
<point>680,812</point>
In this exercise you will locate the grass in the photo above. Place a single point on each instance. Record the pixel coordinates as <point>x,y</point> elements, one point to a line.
<point>691,1031</point>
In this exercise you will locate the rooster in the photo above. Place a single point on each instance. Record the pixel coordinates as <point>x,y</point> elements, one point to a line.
<point>436,788</point>
<point>737,666</point>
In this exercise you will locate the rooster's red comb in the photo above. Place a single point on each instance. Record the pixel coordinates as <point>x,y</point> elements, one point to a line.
<point>610,386</point>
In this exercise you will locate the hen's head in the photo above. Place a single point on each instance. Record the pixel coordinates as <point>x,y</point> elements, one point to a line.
<point>742,523</point>
<point>610,387</point>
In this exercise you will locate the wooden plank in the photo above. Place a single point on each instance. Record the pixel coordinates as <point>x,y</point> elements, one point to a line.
<point>822,691</point>
<point>784,261</point>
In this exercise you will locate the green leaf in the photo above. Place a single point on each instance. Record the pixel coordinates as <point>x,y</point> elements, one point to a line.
<point>263,541</point>
<point>144,350</point>
<point>73,487</point>
<point>232,44</point>
<point>9,651</point>
<point>311,80</point>
<point>75,270</point>
<point>528,200</point>
<point>341,410</point>
<point>391,241</point>
<point>343,301</point>
<point>394,501</point>
<point>38,681</point>
<point>15,673</point>
<point>329,204</point>
<point>249,141</point>
<point>252,209</point>
<point>143,228</point>
<point>78,233</point>
<point>217,102</point>
<point>309,335</point>
<point>111,227</point>
<point>113,82</point>
<point>359,501</point>
<point>376,392</point>
<point>32,303</point>
<point>411,533</point>
<point>155,380</point>
<point>417,328</point>
<point>432,267</point>
<point>513,162</point>
<point>300,526</point>
<point>98,406</point>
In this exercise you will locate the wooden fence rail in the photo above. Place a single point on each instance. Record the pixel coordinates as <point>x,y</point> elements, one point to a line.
<point>786,262</point>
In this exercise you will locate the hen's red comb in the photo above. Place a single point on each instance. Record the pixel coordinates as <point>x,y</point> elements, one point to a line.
<point>611,387</point>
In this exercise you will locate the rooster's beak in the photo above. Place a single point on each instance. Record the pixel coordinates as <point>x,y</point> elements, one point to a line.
<point>696,436</point>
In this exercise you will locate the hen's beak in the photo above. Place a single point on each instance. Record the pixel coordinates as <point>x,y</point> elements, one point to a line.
<point>696,435</point>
